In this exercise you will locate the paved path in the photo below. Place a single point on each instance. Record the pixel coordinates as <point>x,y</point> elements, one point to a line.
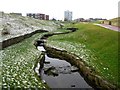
<point>109,27</point>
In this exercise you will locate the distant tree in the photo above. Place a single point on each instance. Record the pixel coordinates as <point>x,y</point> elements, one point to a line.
<point>53,19</point>
<point>65,19</point>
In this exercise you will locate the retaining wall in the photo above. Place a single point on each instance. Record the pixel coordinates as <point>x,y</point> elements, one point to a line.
<point>17,39</point>
<point>113,23</point>
<point>107,22</point>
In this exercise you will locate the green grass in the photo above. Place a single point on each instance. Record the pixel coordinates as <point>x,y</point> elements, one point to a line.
<point>97,46</point>
<point>18,62</point>
<point>58,30</point>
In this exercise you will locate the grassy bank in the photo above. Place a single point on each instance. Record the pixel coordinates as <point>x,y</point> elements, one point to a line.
<point>17,65</point>
<point>97,46</point>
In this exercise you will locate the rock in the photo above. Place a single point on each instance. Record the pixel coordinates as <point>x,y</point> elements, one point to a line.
<point>50,68</point>
<point>72,85</point>
<point>74,69</point>
<point>54,73</point>
<point>51,71</point>
<point>60,67</point>
<point>43,81</point>
<point>68,66</point>
<point>46,62</point>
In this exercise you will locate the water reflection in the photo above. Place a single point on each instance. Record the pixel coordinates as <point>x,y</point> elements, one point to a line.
<point>59,73</point>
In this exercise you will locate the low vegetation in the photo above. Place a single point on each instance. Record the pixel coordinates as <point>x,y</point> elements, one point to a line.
<point>5,30</point>
<point>97,46</point>
<point>12,25</point>
<point>18,63</point>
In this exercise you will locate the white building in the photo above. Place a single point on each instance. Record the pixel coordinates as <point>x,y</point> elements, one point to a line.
<point>67,15</point>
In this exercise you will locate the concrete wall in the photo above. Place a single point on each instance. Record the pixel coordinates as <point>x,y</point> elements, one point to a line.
<point>107,22</point>
<point>113,23</point>
<point>15,40</point>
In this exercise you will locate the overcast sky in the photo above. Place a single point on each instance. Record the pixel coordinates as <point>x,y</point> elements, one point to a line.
<point>55,8</point>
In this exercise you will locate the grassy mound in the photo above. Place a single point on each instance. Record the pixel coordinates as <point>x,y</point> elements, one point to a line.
<point>97,46</point>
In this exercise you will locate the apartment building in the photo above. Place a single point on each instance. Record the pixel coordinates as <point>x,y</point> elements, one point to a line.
<point>68,15</point>
<point>47,17</point>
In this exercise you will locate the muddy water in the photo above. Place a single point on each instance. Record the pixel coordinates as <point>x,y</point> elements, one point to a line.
<point>59,73</point>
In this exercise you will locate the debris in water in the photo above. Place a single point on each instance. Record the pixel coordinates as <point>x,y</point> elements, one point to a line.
<point>46,62</point>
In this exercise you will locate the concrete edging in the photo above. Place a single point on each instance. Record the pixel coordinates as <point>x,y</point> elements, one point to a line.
<point>17,39</point>
<point>89,75</point>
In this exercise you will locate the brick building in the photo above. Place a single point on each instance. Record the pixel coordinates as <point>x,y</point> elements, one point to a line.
<point>38,16</point>
<point>47,17</point>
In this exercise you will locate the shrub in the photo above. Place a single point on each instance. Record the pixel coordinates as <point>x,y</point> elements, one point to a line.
<point>5,30</point>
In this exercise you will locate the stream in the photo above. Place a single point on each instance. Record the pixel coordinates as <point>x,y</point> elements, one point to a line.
<point>57,73</point>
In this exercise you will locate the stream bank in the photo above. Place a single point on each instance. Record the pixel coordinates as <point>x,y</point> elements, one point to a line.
<point>89,74</point>
<point>17,39</point>
<point>58,73</point>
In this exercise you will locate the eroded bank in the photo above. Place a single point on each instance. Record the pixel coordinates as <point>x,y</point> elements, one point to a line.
<point>87,72</point>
